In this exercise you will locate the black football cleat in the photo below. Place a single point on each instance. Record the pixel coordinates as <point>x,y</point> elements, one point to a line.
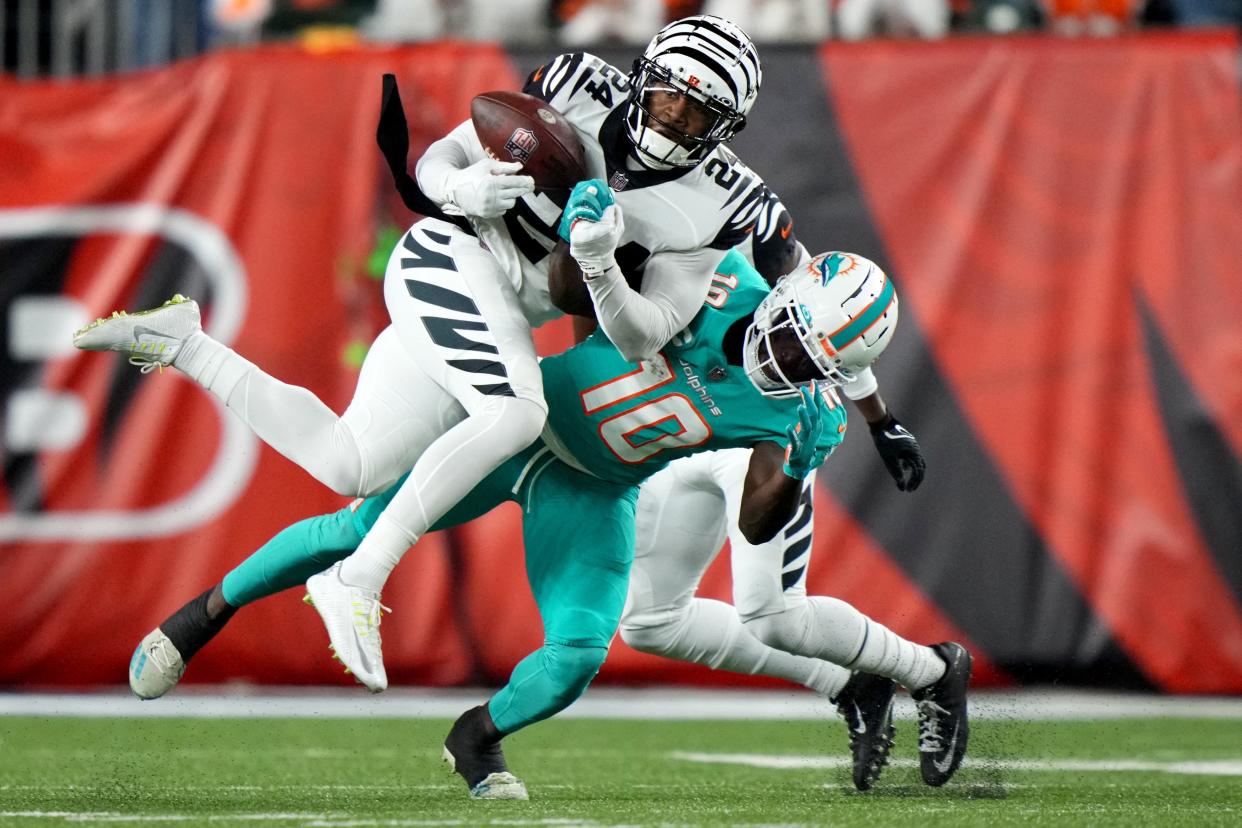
<point>472,749</point>
<point>943,726</point>
<point>866,703</point>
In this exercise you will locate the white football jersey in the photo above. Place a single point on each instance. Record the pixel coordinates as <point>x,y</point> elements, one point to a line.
<point>717,204</point>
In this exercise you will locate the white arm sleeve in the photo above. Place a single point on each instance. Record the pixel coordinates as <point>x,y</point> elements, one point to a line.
<point>863,385</point>
<point>455,151</point>
<point>674,287</point>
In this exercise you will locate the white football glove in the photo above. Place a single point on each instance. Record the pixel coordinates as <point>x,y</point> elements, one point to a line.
<point>486,188</point>
<point>593,244</point>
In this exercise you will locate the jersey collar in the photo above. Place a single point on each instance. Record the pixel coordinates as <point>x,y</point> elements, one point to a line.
<point>617,146</point>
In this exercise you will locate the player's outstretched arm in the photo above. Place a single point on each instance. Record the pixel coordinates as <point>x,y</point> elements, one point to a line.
<point>776,473</point>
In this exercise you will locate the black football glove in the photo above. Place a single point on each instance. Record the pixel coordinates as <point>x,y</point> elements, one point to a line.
<point>900,452</point>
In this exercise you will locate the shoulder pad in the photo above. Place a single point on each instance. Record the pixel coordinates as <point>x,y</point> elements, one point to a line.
<point>579,80</point>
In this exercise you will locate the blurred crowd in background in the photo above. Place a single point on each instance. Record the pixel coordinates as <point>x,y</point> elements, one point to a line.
<point>63,38</point>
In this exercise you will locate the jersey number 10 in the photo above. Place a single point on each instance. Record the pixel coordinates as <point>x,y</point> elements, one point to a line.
<point>639,433</point>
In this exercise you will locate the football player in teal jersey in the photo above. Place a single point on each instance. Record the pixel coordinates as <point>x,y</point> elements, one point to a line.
<point>753,369</point>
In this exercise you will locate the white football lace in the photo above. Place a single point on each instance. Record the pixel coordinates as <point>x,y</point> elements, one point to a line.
<point>369,618</point>
<point>930,740</point>
<point>161,657</point>
<point>145,365</point>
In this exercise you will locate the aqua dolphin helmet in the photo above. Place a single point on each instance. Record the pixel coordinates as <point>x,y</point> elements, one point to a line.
<point>825,321</point>
<point>715,66</point>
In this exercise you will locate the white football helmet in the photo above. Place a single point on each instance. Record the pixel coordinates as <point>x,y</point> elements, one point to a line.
<point>713,63</point>
<point>825,321</point>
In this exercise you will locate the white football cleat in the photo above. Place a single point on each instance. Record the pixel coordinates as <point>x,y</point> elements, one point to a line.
<point>352,617</point>
<point>503,785</point>
<point>156,666</point>
<point>152,338</point>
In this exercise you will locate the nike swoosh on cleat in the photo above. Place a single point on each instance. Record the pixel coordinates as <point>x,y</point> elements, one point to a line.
<point>140,331</point>
<point>862,725</point>
<point>943,767</point>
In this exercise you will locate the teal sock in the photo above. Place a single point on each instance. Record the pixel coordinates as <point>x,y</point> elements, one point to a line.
<point>293,555</point>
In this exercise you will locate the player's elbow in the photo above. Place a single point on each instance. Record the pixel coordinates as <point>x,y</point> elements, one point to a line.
<point>632,354</point>
<point>757,531</point>
<point>636,345</point>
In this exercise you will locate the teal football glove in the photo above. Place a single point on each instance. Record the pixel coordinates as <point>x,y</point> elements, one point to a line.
<point>588,200</point>
<point>803,455</point>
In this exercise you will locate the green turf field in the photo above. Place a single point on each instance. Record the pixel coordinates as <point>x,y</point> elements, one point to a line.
<point>365,772</point>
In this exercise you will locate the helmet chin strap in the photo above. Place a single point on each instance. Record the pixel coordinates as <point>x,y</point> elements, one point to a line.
<point>657,146</point>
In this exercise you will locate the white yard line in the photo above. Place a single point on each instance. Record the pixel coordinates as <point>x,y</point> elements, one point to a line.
<point>1222,767</point>
<point>308,820</point>
<point>602,703</point>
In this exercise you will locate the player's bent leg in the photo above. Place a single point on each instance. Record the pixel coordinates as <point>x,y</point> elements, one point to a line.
<point>541,685</point>
<point>828,628</point>
<point>545,683</point>
<point>353,621</point>
<point>285,561</point>
<point>290,419</point>
<point>456,316</point>
<point>943,724</point>
<point>710,633</point>
<point>347,596</point>
<point>770,591</point>
<point>159,661</point>
<point>578,535</point>
<point>662,616</point>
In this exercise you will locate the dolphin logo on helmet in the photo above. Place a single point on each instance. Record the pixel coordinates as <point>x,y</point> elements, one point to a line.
<point>824,323</point>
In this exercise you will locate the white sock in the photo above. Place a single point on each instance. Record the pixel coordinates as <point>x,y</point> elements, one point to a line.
<point>885,653</point>
<point>875,649</point>
<point>379,553</point>
<point>711,633</point>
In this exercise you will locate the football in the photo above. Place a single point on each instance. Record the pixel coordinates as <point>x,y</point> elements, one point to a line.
<point>514,126</point>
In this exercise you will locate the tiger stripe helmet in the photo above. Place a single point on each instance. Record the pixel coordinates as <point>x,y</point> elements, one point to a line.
<point>710,60</point>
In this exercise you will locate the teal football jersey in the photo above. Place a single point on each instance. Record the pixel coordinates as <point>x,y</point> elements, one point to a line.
<point>624,422</point>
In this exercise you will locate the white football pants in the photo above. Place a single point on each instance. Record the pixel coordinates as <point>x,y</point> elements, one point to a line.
<point>448,392</point>
<point>774,628</point>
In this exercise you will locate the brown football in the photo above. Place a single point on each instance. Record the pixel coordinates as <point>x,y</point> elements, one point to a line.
<point>514,126</point>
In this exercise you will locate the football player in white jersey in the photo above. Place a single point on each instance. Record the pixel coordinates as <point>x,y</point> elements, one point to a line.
<point>463,296</point>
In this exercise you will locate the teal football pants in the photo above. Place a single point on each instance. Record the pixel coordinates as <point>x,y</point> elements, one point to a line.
<point>578,533</point>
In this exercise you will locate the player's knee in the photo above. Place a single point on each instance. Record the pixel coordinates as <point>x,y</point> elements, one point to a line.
<point>329,538</point>
<point>780,630</point>
<point>340,467</point>
<point>344,478</point>
<point>648,634</point>
<point>521,420</point>
<point>571,669</point>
